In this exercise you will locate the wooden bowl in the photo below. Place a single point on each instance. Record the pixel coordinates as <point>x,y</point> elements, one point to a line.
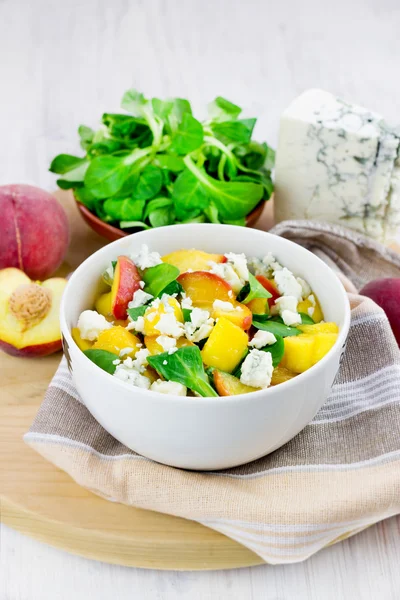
<point>112,233</point>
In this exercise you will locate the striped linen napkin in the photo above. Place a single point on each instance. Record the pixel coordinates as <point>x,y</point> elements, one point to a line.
<point>338,476</point>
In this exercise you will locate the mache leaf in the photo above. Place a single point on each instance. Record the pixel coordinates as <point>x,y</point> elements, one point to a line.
<point>159,277</point>
<point>149,183</point>
<point>253,289</point>
<point>184,366</point>
<point>276,328</point>
<point>221,109</point>
<point>188,136</point>
<point>103,359</point>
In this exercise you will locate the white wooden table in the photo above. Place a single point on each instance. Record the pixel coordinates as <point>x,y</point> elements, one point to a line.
<point>64,63</point>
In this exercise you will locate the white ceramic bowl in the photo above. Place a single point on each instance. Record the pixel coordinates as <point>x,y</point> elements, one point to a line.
<point>205,433</point>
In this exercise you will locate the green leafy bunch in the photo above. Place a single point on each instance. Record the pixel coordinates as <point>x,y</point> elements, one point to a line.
<point>157,165</point>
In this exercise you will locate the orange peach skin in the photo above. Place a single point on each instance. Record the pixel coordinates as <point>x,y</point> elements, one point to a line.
<point>126,282</point>
<point>204,287</point>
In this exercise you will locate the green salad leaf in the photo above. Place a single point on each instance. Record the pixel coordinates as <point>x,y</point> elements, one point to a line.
<point>184,366</point>
<point>158,278</point>
<point>306,319</point>
<point>103,359</point>
<point>253,289</point>
<point>156,164</point>
<point>275,327</point>
<point>136,312</point>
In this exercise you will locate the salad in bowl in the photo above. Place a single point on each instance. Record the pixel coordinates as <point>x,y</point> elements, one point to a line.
<point>203,346</point>
<point>197,323</point>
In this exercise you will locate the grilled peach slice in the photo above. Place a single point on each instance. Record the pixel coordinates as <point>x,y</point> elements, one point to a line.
<point>195,260</point>
<point>126,282</point>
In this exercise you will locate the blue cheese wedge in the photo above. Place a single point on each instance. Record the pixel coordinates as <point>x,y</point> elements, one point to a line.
<point>338,162</point>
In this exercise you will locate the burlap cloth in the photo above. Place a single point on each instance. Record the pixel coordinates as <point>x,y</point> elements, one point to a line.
<point>338,476</point>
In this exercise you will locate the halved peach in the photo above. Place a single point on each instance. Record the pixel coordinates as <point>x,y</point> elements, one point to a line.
<point>116,339</point>
<point>29,314</point>
<point>150,341</point>
<point>195,260</point>
<point>126,282</point>
<point>228,385</point>
<point>204,287</point>
<point>239,314</point>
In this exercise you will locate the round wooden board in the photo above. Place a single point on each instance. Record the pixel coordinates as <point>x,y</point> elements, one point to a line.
<point>39,500</point>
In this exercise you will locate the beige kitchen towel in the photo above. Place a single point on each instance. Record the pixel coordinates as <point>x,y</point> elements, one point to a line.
<point>338,476</point>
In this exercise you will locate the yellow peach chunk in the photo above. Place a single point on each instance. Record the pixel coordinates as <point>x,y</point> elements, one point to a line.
<point>319,328</point>
<point>226,346</point>
<point>304,307</point>
<point>79,341</point>
<point>323,343</point>
<point>299,353</point>
<point>258,306</point>
<point>196,260</point>
<point>281,374</point>
<point>239,314</point>
<point>116,339</point>
<point>103,305</point>
<point>153,315</point>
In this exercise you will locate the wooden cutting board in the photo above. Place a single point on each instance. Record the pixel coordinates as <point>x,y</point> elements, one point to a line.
<point>39,500</point>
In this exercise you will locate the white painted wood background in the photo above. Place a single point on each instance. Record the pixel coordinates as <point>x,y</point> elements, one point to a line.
<point>64,63</point>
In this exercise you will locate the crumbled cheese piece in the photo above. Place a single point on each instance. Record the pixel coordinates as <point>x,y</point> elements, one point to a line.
<point>91,323</point>
<point>166,343</point>
<point>116,361</point>
<point>221,305</point>
<point>109,272</point>
<point>199,326</point>
<point>286,303</point>
<point>125,351</point>
<point>139,299</point>
<point>168,325</point>
<point>164,362</point>
<point>287,283</point>
<point>305,288</point>
<point>137,325</point>
<point>140,362</point>
<point>186,302</point>
<point>168,387</point>
<point>165,301</point>
<point>145,259</point>
<point>311,299</point>
<point>172,350</point>
<point>227,272</point>
<point>239,263</point>
<point>256,266</point>
<point>132,376</point>
<point>287,308</point>
<point>311,311</point>
<point>262,338</point>
<point>290,318</point>
<point>271,263</point>
<point>257,369</point>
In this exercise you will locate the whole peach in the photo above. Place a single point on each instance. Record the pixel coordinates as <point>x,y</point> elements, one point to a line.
<point>386,293</point>
<point>34,230</point>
